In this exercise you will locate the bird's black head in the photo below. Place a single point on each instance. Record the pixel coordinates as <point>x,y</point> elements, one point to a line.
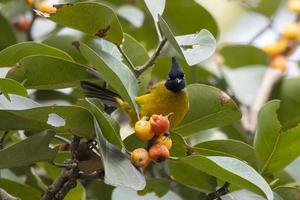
<point>175,82</point>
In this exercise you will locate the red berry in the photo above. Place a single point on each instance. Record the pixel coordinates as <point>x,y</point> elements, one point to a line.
<point>22,24</point>
<point>160,124</point>
<point>159,152</point>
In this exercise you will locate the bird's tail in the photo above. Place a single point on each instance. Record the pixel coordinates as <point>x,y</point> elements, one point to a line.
<point>95,91</point>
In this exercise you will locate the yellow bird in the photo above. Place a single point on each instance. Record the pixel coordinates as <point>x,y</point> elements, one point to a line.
<point>166,97</point>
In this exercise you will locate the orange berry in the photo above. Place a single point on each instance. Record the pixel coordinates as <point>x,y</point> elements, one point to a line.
<point>160,124</point>
<point>159,152</point>
<point>164,140</point>
<point>29,2</point>
<point>45,7</point>
<point>294,5</point>
<point>22,24</point>
<point>276,48</point>
<point>140,158</point>
<point>280,63</point>
<point>292,31</point>
<point>143,130</point>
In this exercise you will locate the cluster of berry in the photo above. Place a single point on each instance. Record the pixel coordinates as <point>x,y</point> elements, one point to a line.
<point>156,132</point>
<point>285,46</point>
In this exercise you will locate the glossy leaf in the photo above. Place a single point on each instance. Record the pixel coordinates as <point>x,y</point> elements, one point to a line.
<point>288,92</point>
<point>195,48</point>
<point>231,170</point>
<point>92,18</point>
<point>24,114</point>
<point>232,148</point>
<point>45,72</point>
<point>159,186</point>
<point>214,109</point>
<point>117,166</point>
<point>115,73</point>
<point>189,175</point>
<point>156,8</point>
<point>27,152</point>
<point>9,86</point>
<point>22,191</point>
<point>7,34</point>
<point>274,148</point>
<point>138,55</point>
<point>107,124</point>
<point>11,55</point>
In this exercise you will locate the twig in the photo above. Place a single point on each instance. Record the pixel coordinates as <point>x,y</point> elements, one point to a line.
<point>152,59</point>
<point>28,32</point>
<point>68,178</point>
<point>131,65</point>
<point>220,192</point>
<point>262,31</point>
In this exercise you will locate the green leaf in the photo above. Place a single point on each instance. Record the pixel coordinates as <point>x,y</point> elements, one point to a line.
<point>245,81</point>
<point>182,14</point>
<point>22,191</point>
<point>179,147</point>
<point>11,55</point>
<point>45,72</point>
<point>231,170</point>
<point>288,193</point>
<point>7,34</point>
<point>107,124</point>
<point>98,190</point>
<point>9,86</point>
<point>132,142</point>
<point>268,7</point>
<point>24,114</point>
<point>117,166</point>
<point>288,92</point>
<point>195,48</point>
<point>232,148</point>
<point>77,193</point>
<point>243,194</point>
<point>156,8</point>
<point>28,151</point>
<point>115,73</point>
<point>159,186</point>
<point>274,147</point>
<point>138,56</point>
<point>214,109</point>
<point>92,18</point>
<point>189,175</point>
<point>240,55</point>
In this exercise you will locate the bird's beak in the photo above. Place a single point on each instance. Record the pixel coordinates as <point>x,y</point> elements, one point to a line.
<point>178,80</point>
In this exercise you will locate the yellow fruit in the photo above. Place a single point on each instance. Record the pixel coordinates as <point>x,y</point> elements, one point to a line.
<point>45,7</point>
<point>276,48</point>
<point>164,140</point>
<point>140,158</point>
<point>143,130</point>
<point>294,5</point>
<point>280,63</point>
<point>292,31</point>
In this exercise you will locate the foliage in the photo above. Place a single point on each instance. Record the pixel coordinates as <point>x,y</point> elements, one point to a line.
<point>58,142</point>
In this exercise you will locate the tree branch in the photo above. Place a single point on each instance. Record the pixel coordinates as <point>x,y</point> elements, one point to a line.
<point>262,31</point>
<point>152,59</point>
<point>68,177</point>
<point>131,65</point>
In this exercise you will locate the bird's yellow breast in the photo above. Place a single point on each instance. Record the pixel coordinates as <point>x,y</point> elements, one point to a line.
<point>162,101</point>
